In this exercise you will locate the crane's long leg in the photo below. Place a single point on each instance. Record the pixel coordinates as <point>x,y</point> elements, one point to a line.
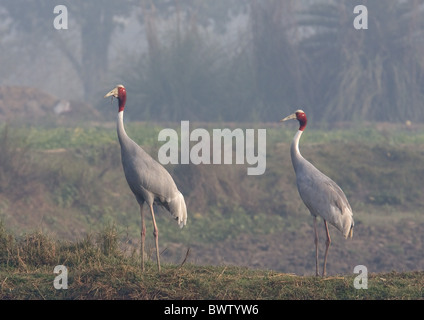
<point>156,235</point>
<point>316,246</point>
<point>143,236</point>
<point>327,245</point>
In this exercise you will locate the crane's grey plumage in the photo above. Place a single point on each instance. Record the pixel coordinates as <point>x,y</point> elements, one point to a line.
<point>321,195</point>
<point>147,179</point>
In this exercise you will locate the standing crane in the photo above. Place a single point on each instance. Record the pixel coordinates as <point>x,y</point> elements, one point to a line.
<point>321,195</point>
<point>147,179</point>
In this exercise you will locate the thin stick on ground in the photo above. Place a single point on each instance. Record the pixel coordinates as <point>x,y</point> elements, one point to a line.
<point>186,256</point>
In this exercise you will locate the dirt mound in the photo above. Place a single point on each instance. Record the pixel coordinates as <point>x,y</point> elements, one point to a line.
<point>25,104</point>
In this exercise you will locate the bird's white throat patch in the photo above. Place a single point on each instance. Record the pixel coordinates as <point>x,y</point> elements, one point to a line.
<point>221,146</point>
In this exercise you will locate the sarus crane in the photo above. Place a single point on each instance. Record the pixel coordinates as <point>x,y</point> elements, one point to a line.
<point>321,195</point>
<point>150,182</point>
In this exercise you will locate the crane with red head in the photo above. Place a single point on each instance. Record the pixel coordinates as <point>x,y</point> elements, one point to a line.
<point>321,195</point>
<point>147,179</point>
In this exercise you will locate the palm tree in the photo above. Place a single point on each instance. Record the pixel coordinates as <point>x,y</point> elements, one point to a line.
<point>375,73</point>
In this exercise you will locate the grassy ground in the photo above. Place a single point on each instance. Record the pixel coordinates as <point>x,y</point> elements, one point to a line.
<point>98,269</point>
<point>206,283</point>
<point>67,183</point>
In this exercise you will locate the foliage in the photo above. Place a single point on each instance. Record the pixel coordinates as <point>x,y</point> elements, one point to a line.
<point>375,73</point>
<point>238,60</point>
<point>74,186</point>
<point>275,58</point>
<point>217,13</point>
<point>15,169</point>
<point>187,74</point>
<point>287,56</point>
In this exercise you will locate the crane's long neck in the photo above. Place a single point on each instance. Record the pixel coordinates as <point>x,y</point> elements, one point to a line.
<point>294,150</point>
<point>122,135</point>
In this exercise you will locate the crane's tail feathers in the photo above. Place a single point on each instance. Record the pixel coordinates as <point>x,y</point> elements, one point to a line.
<point>349,232</point>
<point>350,235</point>
<point>178,209</point>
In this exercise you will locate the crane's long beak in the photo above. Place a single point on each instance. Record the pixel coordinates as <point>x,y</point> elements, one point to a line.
<point>113,93</point>
<point>292,116</point>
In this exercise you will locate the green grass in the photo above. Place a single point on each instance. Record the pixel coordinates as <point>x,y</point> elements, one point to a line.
<point>94,135</point>
<point>68,182</point>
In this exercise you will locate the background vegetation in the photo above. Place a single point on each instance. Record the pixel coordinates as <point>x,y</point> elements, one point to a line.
<point>226,60</point>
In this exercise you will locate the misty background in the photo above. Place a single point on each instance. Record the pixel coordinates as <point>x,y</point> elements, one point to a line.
<point>217,64</point>
<point>223,60</point>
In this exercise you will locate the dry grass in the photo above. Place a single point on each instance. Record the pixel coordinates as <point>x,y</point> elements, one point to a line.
<point>27,264</point>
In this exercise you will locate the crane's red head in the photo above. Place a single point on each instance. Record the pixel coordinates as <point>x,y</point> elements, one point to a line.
<point>120,93</point>
<point>300,116</point>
